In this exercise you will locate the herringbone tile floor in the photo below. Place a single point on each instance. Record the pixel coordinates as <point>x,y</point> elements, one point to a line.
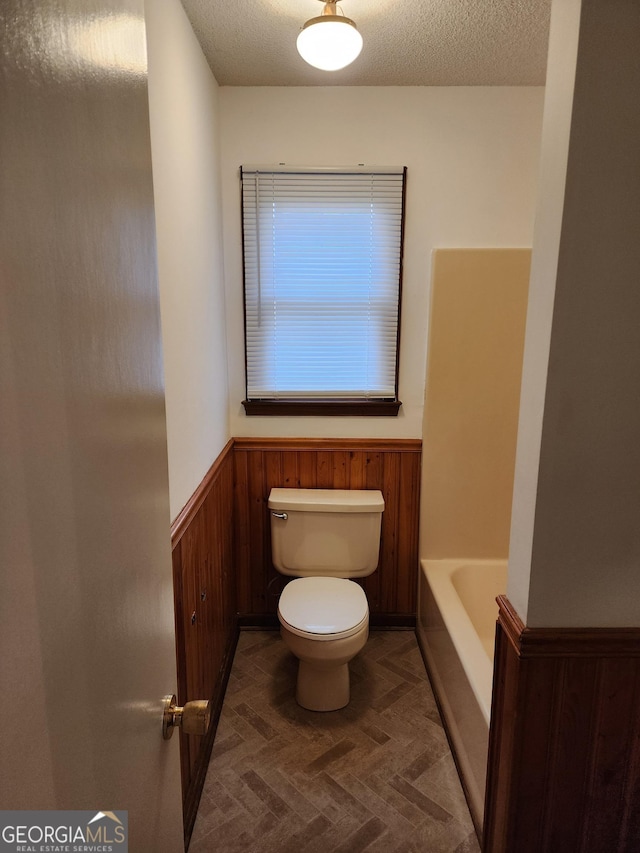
<point>376,775</point>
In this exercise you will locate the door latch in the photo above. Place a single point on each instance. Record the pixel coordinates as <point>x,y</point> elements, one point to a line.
<point>193,718</point>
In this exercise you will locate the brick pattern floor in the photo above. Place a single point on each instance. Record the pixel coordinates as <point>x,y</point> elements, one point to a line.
<point>377,775</point>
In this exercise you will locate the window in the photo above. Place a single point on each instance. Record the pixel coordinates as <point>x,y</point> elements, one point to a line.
<point>322,267</point>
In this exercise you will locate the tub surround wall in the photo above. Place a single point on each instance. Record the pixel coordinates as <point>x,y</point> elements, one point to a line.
<point>206,620</point>
<point>476,340</point>
<point>393,466</point>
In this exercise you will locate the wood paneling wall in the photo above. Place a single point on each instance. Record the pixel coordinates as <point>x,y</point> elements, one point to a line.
<point>206,613</point>
<point>393,466</point>
<point>222,558</point>
<point>564,748</point>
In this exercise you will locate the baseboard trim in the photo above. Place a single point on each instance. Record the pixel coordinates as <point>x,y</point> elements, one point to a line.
<point>401,621</point>
<point>258,620</point>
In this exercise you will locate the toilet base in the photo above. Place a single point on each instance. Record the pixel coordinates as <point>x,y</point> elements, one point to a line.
<point>322,689</point>
<point>323,667</point>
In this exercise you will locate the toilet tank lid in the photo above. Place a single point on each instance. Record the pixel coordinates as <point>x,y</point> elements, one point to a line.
<point>326,500</point>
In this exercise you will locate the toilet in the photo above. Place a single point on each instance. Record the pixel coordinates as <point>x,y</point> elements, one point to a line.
<point>323,538</point>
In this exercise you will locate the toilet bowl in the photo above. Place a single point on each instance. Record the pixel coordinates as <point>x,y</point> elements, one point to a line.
<point>324,621</point>
<point>324,537</point>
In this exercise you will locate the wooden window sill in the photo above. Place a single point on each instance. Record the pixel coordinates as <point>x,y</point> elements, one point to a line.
<point>322,408</point>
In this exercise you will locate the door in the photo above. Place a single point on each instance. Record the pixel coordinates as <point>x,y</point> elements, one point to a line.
<point>86,600</point>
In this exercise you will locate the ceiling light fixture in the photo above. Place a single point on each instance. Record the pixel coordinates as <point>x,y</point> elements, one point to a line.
<point>330,41</point>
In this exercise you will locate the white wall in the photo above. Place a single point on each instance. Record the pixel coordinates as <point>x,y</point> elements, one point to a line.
<point>556,126</point>
<point>472,158</point>
<point>580,504</point>
<point>183,100</point>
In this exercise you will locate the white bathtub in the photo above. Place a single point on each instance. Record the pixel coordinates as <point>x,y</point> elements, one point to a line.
<point>456,623</point>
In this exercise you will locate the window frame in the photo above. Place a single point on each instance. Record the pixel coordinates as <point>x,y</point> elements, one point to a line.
<point>325,406</point>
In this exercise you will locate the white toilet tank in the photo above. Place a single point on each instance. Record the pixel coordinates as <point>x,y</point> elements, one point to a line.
<point>325,532</point>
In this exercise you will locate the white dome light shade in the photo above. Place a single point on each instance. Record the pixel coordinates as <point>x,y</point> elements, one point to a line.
<point>329,42</point>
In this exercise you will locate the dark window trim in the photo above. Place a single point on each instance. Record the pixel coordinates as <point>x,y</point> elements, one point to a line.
<point>359,407</point>
<point>315,408</point>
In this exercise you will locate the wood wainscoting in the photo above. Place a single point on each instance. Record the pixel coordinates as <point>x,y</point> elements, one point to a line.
<point>564,746</point>
<point>206,614</point>
<point>391,465</point>
<point>222,567</point>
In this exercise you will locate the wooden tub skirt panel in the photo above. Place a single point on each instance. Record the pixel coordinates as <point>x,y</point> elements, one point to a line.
<point>564,743</point>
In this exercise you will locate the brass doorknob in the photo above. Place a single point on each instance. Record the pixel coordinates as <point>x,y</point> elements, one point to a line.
<point>193,718</point>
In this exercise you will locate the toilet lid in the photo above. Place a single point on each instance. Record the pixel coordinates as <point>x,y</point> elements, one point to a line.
<point>323,606</point>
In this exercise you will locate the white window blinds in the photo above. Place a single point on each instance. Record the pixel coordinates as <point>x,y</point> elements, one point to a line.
<point>322,259</point>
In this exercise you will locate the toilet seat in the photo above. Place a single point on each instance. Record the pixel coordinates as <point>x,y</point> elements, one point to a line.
<point>323,608</point>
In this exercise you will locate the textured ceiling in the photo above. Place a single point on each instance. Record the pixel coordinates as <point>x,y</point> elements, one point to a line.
<point>406,42</point>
